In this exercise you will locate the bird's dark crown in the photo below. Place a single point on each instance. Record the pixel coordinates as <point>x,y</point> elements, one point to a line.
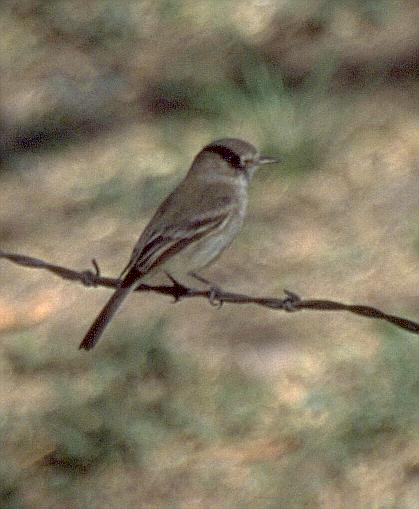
<point>236,152</point>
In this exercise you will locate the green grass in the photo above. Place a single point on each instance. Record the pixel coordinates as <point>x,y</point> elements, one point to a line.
<point>138,397</point>
<point>368,412</point>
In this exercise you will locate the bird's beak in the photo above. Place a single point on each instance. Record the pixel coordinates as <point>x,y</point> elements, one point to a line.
<point>268,160</point>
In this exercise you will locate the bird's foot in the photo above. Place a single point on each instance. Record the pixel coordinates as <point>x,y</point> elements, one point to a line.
<point>215,297</point>
<point>215,293</point>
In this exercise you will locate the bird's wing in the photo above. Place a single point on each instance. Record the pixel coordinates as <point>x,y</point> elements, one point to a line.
<point>157,245</point>
<point>190,212</point>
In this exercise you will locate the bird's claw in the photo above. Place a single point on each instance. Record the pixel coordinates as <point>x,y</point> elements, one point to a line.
<point>215,298</point>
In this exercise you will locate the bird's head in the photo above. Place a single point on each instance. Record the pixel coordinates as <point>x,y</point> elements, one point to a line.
<point>235,156</point>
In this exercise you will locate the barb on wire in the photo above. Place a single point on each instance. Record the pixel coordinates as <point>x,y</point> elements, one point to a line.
<point>292,302</point>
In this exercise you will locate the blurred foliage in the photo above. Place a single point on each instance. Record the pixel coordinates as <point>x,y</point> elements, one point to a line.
<point>142,399</point>
<point>379,402</point>
<point>369,408</point>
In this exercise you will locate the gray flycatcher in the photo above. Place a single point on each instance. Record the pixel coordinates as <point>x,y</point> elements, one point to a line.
<point>192,226</point>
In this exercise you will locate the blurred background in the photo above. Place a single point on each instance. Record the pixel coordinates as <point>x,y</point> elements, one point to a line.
<point>103,106</point>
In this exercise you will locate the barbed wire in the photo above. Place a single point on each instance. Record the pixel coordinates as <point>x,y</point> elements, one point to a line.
<point>291,303</point>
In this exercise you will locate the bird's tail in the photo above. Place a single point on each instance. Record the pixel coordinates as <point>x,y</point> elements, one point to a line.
<point>96,330</point>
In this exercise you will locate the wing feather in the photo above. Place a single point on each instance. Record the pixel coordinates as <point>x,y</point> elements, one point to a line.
<point>161,245</point>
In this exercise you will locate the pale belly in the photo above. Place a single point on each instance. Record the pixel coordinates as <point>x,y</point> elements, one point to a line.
<point>201,253</point>
<point>197,255</point>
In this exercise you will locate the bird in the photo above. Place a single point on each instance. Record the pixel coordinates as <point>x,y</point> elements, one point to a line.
<point>192,226</point>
